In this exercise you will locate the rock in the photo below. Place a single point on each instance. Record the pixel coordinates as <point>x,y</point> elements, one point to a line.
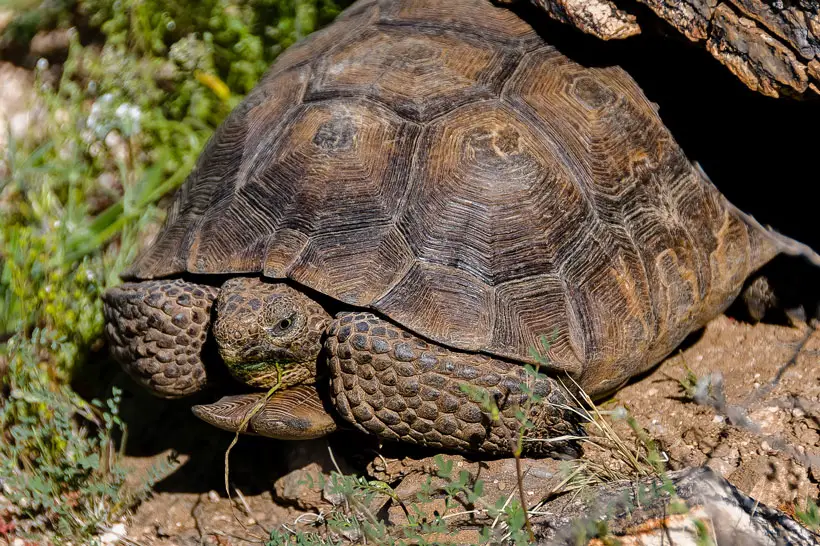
<point>691,17</point>
<point>16,95</point>
<point>762,62</point>
<point>600,18</point>
<point>302,488</point>
<point>50,44</point>
<point>799,28</point>
<point>705,506</point>
<point>114,535</point>
<point>306,485</point>
<point>772,46</point>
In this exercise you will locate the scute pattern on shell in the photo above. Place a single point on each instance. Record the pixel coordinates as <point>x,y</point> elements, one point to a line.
<point>442,165</point>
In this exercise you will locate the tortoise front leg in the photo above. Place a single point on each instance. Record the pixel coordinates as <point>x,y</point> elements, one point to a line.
<point>389,382</point>
<point>156,330</point>
<point>294,413</point>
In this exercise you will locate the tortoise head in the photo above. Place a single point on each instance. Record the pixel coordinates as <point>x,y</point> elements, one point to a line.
<point>268,331</point>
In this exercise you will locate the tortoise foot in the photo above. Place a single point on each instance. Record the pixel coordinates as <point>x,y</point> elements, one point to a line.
<point>157,329</point>
<point>389,382</point>
<point>295,413</point>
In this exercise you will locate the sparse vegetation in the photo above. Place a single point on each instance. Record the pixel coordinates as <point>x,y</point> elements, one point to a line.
<point>810,515</point>
<point>119,125</point>
<point>427,519</point>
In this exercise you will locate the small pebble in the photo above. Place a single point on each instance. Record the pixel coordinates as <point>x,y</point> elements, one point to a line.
<point>113,535</point>
<point>213,496</point>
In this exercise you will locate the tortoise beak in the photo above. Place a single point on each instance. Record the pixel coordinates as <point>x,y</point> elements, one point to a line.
<point>295,413</point>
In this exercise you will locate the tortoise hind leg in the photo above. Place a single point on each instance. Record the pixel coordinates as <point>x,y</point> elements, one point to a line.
<point>157,329</point>
<point>391,383</point>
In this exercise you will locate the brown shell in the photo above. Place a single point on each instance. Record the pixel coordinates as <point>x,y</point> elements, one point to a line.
<point>441,164</point>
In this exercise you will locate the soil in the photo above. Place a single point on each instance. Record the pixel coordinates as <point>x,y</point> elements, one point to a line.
<point>764,437</point>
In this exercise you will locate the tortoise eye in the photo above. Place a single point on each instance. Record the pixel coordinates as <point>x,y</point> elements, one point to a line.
<point>283,325</point>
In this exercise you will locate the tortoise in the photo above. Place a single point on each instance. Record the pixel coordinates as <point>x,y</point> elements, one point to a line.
<point>773,47</point>
<point>393,218</point>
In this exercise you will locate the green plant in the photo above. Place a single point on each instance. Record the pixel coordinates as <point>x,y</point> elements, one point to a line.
<point>441,497</point>
<point>58,460</point>
<point>118,129</point>
<point>688,384</point>
<point>704,537</point>
<point>810,515</point>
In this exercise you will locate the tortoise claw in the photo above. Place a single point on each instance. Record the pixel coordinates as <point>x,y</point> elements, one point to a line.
<point>295,413</point>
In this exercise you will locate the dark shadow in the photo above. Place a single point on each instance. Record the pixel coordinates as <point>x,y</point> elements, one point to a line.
<point>796,286</point>
<point>155,425</point>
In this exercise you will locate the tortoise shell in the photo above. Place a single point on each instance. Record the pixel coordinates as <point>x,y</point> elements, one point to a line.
<point>442,165</point>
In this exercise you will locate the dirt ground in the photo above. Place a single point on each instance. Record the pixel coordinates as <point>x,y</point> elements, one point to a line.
<point>762,435</point>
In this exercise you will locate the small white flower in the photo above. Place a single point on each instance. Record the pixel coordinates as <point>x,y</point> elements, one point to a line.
<point>42,63</point>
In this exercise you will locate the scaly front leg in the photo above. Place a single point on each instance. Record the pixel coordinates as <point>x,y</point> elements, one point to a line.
<point>388,382</point>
